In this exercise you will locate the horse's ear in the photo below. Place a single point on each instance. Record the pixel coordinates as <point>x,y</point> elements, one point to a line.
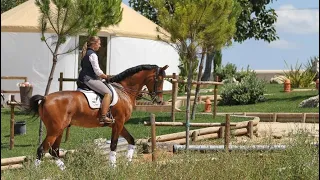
<point>164,67</point>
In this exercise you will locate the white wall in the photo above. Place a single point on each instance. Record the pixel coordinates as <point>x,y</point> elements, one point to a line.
<point>129,52</point>
<point>24,54</point>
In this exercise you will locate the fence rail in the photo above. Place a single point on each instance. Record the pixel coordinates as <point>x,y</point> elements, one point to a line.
<point>13,78</point>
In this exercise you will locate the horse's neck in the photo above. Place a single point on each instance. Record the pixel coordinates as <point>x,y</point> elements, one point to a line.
<point>132,90</point>
<point>133,85</point>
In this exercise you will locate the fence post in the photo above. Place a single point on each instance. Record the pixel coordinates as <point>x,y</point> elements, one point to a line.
<point>153,136</point>
<point>174,96</point>
<point>304,117</point>
<point>61,81</point>
<point>250,129</point>
<point>221,131</point>
<point>227,133</point>
<point>215,99</point>
<point>12,123</point>
<point>195,135</point>
<point>274,117</point>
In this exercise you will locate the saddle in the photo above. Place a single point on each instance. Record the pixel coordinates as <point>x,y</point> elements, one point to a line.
<point>94,99</point>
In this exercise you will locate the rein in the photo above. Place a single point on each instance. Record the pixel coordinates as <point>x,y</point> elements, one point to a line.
<point>131,92</point>
<point>152,94</point>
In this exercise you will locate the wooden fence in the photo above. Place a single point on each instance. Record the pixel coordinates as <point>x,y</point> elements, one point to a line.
<point>25,79</point>
<point>213,130</point>
<point>217,130</point>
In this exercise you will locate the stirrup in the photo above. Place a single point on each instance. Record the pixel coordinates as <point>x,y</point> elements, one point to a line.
<point>105,119</point>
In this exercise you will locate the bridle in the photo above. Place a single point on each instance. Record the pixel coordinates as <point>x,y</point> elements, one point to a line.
<point>152,94</point>
<point>155,86</point>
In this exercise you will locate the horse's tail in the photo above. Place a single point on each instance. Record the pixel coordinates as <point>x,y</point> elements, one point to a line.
<point>34,104</point>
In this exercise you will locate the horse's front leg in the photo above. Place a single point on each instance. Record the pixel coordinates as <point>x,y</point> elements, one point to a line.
<point>116,129</point>
<point>131,147</point>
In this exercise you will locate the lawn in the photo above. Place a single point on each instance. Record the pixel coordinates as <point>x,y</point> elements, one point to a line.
<point>277,101</point>
<point>27,144</point>
<point>299,161</point>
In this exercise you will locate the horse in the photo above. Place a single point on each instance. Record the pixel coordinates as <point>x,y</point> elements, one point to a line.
<point>61,109</point>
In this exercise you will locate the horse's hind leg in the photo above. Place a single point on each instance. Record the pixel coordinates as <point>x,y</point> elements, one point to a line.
<point>131,147</point>
<point>47,142</point>
<point>54,151</point>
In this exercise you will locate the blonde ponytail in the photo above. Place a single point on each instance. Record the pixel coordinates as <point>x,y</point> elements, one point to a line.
<point>91,40</point>
<point>84,50</point>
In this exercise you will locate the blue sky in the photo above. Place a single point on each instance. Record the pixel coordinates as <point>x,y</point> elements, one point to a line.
<point>298,29</point>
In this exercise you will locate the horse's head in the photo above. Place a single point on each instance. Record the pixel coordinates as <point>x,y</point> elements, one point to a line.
<point>155,84</point>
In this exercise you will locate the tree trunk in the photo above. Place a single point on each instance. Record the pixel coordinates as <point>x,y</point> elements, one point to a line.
<point>195,102</point>
<point>208,68</point>
<point>188,87</point>
<point>53,67</point>
<point>217,58</point>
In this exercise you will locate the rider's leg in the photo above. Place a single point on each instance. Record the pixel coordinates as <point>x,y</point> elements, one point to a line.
<point>104,108</point>
<point>99,87</point>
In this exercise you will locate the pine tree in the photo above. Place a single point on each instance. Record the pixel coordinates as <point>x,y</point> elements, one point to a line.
<point>195,27</point>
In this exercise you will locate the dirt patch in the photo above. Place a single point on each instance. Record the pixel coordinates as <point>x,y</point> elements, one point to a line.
<point>284,129</point>
<point>276,132</point>
<point>160,156</point>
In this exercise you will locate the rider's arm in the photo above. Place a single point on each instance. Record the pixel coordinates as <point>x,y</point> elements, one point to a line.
<point>93,58</point>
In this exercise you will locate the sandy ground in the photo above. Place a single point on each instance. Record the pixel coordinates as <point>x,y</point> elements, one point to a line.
<point>284,129</point>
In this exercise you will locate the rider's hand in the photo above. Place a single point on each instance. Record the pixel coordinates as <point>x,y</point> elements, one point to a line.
<point>107,79</point>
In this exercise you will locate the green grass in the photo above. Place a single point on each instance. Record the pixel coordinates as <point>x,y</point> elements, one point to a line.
<point>27,144</point>
<point>300,160</point>
<point>277,101</point>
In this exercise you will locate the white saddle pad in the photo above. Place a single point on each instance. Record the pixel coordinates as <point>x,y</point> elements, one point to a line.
<point>95,100</point>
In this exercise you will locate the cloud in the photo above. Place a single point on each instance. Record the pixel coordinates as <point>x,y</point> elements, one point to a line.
<point>282,44</point>
<point>293,20</point>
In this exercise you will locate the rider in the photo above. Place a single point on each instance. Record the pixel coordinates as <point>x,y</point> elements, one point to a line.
<point>91,75</point>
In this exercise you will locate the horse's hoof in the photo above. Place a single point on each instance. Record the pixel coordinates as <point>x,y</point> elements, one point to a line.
<point>37,163</point>
<point>60,164</point>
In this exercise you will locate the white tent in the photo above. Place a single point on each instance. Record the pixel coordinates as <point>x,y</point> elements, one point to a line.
<point>132,42</point>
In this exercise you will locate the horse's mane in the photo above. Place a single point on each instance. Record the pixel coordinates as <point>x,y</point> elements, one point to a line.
<point>131,71</point>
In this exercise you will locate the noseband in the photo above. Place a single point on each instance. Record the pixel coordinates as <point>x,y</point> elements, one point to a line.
<point>155,86</point>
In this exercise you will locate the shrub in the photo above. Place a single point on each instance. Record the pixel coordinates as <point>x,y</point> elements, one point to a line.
<point>249,90</point>
<point>300,78</point>
<point>226,72</point>
<point>243,73</point>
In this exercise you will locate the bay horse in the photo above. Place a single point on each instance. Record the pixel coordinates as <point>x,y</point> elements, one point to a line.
<point>60,109</point>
